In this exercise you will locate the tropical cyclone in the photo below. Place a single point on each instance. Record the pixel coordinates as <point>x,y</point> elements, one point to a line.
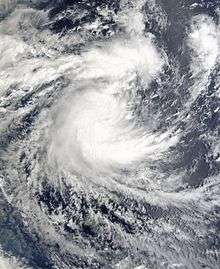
<point>109,140</point>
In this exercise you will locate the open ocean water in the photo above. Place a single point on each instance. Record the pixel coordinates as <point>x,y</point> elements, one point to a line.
<point>109,134</point>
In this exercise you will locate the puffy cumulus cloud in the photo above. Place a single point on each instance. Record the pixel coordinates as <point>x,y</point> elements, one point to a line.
<point>204,42</point>
<point>10,263</point>
<point>204,39</point>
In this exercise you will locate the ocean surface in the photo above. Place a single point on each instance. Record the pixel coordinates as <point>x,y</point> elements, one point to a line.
<point>109,134</point>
